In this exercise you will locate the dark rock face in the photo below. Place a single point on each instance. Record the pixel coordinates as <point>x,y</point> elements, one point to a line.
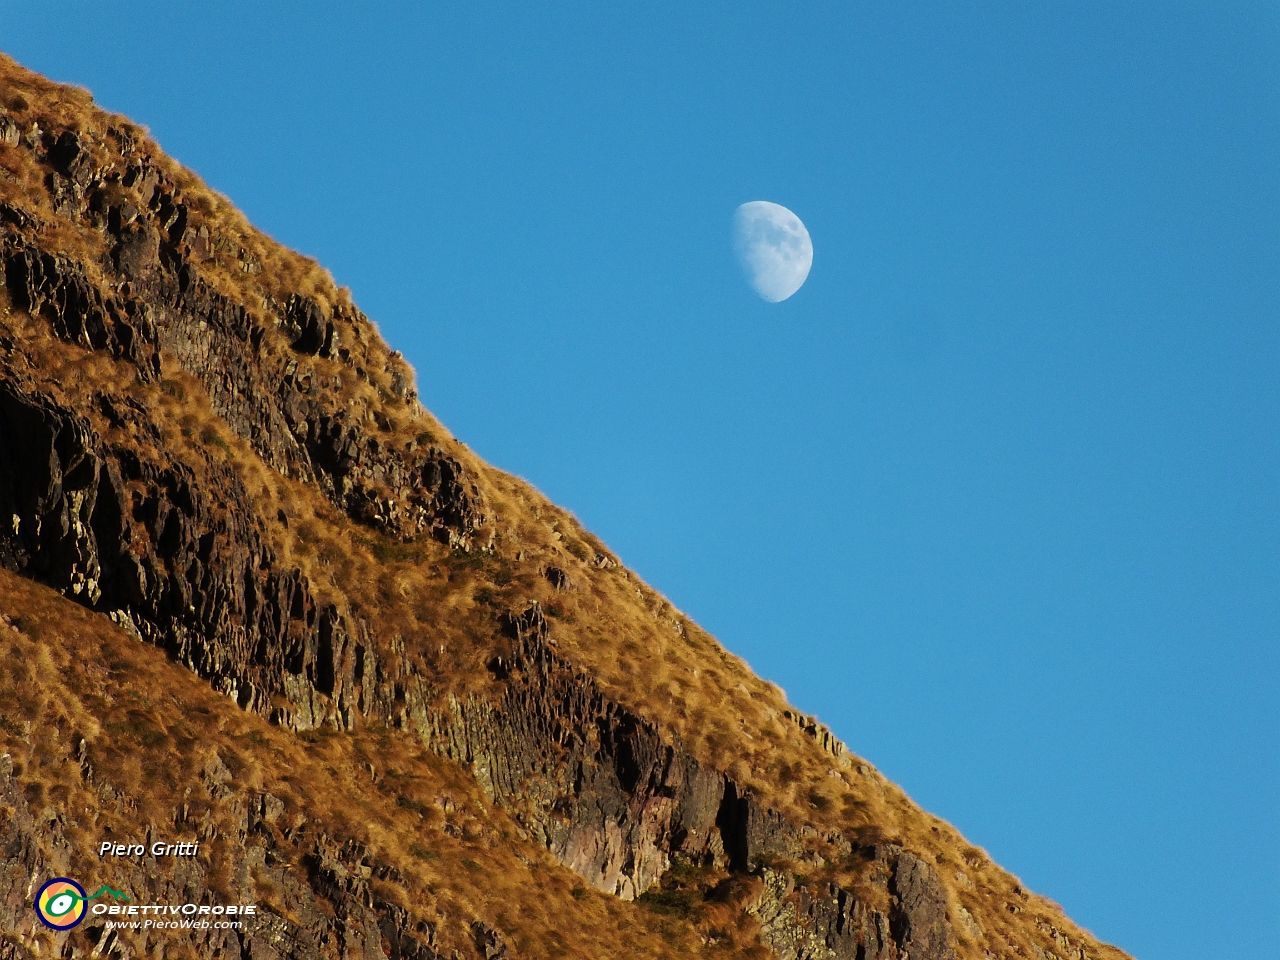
<point>753,834</point>
<point>52,286</point>
<point>312,333</point>
<point>920,914</point>
<point>139,540</point>
<point>70,158</point>
<point>48,477</point>
<point>824,924</point>
<point>830,924</point>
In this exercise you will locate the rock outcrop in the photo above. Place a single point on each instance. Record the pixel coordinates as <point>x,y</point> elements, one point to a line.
<point>154,303</point>
<point>184,564</point>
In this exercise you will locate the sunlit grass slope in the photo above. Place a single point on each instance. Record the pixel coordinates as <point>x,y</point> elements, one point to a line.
<point>71,673</point>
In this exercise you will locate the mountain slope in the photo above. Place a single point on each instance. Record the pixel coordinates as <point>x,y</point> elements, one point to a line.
<point>204,443</point>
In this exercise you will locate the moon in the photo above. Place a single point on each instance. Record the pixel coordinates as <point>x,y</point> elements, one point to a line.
<point>773,248</point>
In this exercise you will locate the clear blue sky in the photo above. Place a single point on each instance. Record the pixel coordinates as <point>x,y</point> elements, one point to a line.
<point>995,494</point>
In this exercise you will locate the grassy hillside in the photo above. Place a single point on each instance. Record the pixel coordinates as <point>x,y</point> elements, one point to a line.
<point>100,728</point>
<point>437,602</point>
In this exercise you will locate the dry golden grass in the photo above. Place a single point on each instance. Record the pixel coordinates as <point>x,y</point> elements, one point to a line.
<point>644,652</point>
<point>67,675</point>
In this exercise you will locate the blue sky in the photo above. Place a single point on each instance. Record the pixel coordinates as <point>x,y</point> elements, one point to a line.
<point>994,495</point>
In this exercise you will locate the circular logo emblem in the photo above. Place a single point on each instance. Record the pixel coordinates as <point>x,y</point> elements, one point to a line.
<point>61,903</point>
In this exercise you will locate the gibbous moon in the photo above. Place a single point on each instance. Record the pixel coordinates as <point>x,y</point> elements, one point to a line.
<point>773,248</point>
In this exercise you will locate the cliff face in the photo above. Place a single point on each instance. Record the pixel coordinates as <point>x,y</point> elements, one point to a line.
<point>356,844</point>
<point>206,446</point>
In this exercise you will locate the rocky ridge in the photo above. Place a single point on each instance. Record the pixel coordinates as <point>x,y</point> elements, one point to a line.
<point>590,780</point>
<point>107,250</point>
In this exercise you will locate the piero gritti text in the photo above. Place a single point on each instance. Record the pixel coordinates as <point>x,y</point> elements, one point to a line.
<point>157,849</point>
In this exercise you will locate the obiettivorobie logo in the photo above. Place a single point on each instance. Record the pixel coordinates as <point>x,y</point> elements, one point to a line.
<point>62,903</point>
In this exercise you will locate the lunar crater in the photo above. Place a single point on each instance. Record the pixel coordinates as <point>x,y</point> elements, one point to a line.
<point>773,249</point>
